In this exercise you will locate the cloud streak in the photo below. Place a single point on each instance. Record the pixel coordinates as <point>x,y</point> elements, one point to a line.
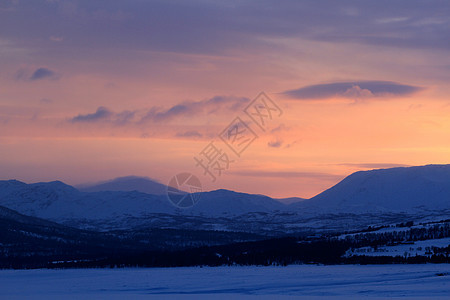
<point>275,144</point>
<point>352,90</point>
<point>374,165</point>
<point>43,73</point>
<point>289,174</point>
<point>190,108</point>
<point>189,134</point>
<point>101,114</point>
<point>215,105</point>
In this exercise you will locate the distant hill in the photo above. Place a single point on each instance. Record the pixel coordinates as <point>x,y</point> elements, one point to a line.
<point>126,184</point>
<point>406,189</point>
<point>290,200</point>
<point>9,215</point>
<point>64,204</point>
<point>225,202</point>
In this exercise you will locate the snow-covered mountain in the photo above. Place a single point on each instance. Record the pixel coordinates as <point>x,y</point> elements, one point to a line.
<point>361,199</point>
<point>408,189</point>
<point>225,202</point>
<point>126,184</point>
<point>62,203</point>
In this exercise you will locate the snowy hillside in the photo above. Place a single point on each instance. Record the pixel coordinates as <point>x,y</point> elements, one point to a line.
<point>9,215</point>
<point>221,202</point>
<point>391,190</point>
<point>62,203</point>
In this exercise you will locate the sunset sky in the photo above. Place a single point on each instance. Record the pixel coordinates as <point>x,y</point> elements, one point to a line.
<point>93,90</point>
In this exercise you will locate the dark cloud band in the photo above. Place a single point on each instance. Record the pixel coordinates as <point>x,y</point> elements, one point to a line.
<point>352,90</point>
<point>102,113</point>
<point>185,109</point>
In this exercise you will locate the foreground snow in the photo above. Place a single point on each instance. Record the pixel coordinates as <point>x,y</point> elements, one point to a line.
<point>417,281</point>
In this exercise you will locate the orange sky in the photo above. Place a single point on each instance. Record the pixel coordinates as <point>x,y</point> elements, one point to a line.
<point>77,107</point>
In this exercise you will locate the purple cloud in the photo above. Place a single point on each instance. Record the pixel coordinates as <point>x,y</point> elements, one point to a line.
<point>101,114</point>
<point>43,73</point>
<point>352,90</point>
<point>213,27</point>
<point>190,134</point>
<point>275,144</point>
<point>189,108</point>
<point>185,109</point>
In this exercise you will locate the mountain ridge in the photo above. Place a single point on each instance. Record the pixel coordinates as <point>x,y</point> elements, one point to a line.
<point>419,191</point>
<point>411,187</point>
<point>126,183</point>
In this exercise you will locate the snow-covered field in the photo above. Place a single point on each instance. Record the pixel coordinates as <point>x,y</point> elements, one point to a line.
<point>415,248</point>
<point>308,281</point>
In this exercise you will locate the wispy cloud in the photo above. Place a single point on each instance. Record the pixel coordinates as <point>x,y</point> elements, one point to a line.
<point>392,20</point>
<point>8,5</point>
<point>352,90</point>
<point>101,114</point>
<point>124,117</point>
<point>280,128</point>
<point>223,26</point>
<point>374,165</point>
<point>278,140</point>
<point>45,100</point>
<point>189,108</point>
<point>56,38</point>
<point>43,73</point>
<point>275,144</point>
<point>35,74</point>
<point>289,174</point>
<point>189,134</point>
<point>215,105</point>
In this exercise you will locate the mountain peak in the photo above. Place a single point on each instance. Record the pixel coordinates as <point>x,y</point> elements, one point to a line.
<point>395,189</point>
<point>54,185</point>
<point>127,184</point>
<point>12,182</point>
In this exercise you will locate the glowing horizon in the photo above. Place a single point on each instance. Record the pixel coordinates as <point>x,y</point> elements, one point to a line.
<point>91,91</point>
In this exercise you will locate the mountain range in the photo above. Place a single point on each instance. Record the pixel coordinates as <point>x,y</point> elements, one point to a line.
<point>360,199</point>
<point>52,224</point>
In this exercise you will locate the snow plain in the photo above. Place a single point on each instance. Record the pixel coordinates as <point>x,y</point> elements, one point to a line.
<point>292,282</point>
